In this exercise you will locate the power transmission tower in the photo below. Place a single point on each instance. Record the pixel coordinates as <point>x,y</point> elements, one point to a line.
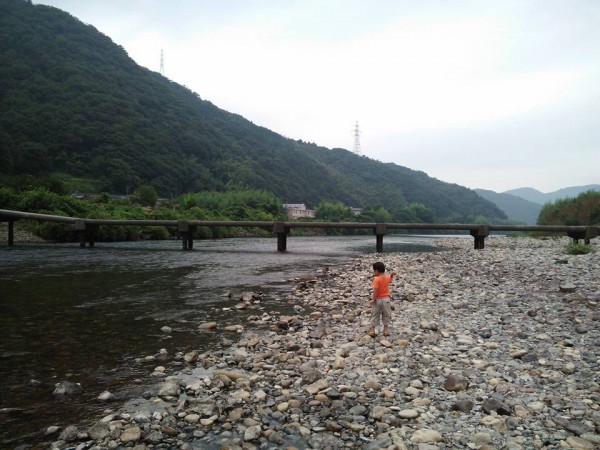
<point>162,63</point>
<point>356,148</point>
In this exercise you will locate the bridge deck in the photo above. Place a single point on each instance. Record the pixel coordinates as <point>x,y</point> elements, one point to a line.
<point>86,228</point>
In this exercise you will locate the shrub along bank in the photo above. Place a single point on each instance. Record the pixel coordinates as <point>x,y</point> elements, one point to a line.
<point>251,205</point>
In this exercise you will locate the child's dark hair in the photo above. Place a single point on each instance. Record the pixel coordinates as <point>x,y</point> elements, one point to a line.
<point>379,267</point>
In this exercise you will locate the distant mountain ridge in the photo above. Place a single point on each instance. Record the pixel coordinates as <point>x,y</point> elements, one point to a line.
<point>533,195</point>
<point>524,204</point>
<point>73,103</point>
<point>515,207</point>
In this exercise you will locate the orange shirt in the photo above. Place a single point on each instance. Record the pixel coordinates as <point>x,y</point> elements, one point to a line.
<point>381,284</point>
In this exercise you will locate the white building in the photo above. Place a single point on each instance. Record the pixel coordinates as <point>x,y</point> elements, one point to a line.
<point>298,211</point>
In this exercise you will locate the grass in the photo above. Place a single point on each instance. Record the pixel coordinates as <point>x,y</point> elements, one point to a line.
<point>578,249</point>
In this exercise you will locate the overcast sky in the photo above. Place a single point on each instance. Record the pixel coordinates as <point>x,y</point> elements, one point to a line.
<point>486,94</point>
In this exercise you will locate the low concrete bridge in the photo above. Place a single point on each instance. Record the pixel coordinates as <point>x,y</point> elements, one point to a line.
<point>87,228</point>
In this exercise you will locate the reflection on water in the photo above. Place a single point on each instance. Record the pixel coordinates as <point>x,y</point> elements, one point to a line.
<point>87,315</point>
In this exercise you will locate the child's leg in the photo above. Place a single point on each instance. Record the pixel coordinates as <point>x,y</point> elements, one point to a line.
<point>375,313</point>
<point>386,313</point>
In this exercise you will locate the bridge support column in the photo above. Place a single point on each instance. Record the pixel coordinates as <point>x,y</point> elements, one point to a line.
<point>187,234</point>
<point>86,232</point>
<point>11,232</point>
<point>191,232</point>
<point>282,232</point>
<point>11,228</point>
<point>380,231</point>
<point>587,235</point>
<point>576,235</point>
<point>591,233</point>
<point>92,232</point>
<point>80,229</point>
<point>480,233</point>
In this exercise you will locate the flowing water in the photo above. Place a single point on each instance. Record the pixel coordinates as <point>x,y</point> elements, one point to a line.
<point>90,316</point>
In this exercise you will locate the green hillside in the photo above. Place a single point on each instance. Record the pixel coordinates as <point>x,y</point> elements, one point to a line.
<point>73,103</point>
<point>515,207</point>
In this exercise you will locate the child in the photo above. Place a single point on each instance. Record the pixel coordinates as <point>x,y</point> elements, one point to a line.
<point>380,301</point>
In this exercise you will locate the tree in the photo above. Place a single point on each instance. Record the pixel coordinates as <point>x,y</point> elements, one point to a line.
<point>35,158</point>
<point>422,213</point>
<point>145,195</point>
<point>595,215</point>
<point>582,210</point>
<point>377,214</point>
<point>333,212</point>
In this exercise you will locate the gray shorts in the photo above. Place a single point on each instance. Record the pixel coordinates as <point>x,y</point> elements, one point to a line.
<point>382,307</point>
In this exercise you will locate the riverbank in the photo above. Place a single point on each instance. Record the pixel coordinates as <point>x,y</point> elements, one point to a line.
<point>20,235</point>
<point>489,349</point>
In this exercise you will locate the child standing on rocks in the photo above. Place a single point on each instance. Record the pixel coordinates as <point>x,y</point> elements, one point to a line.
<point>380,300</point>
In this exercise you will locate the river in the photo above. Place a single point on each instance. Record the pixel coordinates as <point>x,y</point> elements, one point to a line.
<point>91,316</point>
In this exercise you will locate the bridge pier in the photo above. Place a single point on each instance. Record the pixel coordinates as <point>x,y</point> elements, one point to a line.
<point>480,233</point>
<point>11,229</point>
<point>380,231</point>
<point>576,235</point>
<point>187,234</point>
<point>81,232</point>
<point>11,232</point>
<point>86,233</point>
<point>282,231</point>
<point>587,235</point>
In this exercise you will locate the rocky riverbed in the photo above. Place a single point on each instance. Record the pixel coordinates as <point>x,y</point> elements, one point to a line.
<point>489,349</point>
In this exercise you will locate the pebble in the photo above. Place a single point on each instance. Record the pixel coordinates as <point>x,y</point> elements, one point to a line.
<point>408,414</point>
<point>426,435</point>
<point>132,434</point>
<point>492,348</point>
<point>106,396</point>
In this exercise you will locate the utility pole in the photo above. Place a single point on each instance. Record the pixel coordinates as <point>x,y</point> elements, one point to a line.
<point>162,63</point>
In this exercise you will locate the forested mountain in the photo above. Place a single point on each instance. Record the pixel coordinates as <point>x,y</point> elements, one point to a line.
<point>515,207</point>
<point>533,195</point>
<point>73,103</point>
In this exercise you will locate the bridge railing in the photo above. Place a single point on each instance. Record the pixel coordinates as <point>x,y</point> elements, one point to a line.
<point>87,228</point>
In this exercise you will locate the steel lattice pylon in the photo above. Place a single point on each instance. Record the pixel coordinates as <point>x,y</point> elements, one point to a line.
<point>356,148</point>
